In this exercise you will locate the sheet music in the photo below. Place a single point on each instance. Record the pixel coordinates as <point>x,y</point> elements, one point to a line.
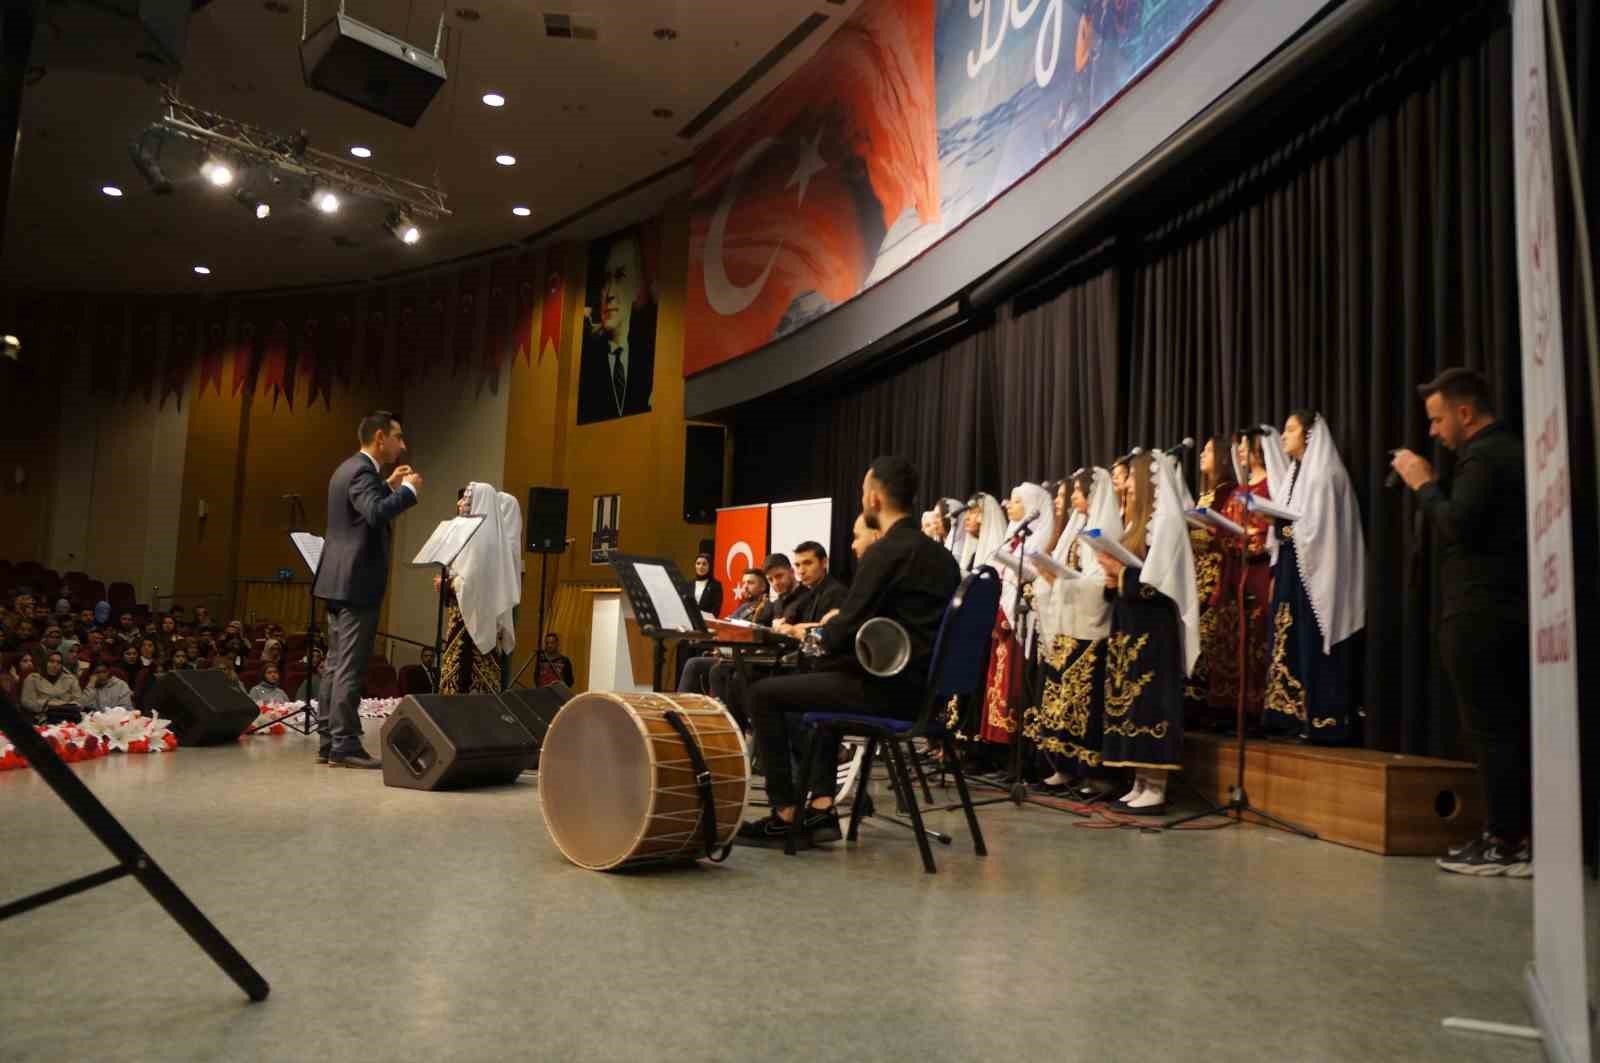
<point>310,547</point>
<point>1045,563</point>
<point>1210,519</point>
<point>670,612</point>
<point>447,541</point>
<point>1270,508</point>
<point>1110,547</point>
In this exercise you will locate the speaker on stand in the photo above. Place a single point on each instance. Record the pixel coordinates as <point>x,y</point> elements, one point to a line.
<point>547,534</point>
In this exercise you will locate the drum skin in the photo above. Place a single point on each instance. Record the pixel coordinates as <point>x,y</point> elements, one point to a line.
<point>617,786</point>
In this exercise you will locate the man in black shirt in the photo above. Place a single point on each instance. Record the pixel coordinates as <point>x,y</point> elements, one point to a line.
<point>827,593</point>
<point>1483,629</point>
<point>906,576</point>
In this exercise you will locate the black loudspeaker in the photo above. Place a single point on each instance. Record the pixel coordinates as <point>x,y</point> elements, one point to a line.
<point>547,520</point>
<point>372,69</point>
<point>535,709</point>
<point>702,472</point>
<point>206,707</point>
<point>445,742</point>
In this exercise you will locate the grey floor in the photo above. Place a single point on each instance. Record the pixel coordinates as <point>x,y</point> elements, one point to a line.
<point>398,925</point>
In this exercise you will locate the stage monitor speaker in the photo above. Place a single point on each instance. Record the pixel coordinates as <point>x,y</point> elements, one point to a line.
<point>547,520</point>
<point>535,709</point>
<point>374,70</point>
<point>205,706</point>
<point>702,472</point>
<point>445,742</point>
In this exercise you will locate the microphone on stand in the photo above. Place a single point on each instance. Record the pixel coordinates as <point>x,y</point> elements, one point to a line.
<point>1393,479</point>
<point>1185,446</point>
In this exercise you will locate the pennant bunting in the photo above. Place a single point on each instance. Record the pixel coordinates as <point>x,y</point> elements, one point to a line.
<point>407,325</point>
<point>146,360</point>
<point>309,370</point>
<point>275,377</point>
<point>552,295</point>
<point>466,321</point>
<point>497,318</point>
<point>527,303</point>
<point>180,353</point>
<point>341,347</point>
<point>246,354</point>
<point>213,349</point>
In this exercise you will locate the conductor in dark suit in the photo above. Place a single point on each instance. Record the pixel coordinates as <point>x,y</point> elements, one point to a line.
<point>616,376</point>
<point>353,576</point>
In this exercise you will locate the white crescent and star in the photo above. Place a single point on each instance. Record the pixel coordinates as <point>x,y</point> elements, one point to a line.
<point>725,297</point>
<point>734,551</point>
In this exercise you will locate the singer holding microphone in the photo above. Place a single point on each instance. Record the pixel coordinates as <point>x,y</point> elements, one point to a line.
<point>1478,511</point>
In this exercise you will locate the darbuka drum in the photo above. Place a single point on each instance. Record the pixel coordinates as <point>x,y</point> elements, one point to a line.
<point>617,785</point>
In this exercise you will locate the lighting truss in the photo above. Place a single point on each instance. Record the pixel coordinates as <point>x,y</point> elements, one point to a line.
<point>290,155</point>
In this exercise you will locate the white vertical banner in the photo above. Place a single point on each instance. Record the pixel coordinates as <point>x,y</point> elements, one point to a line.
<point>1557,980</point>
<point>796,522</point>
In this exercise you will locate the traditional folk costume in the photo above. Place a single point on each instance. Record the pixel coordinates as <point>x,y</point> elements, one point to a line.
<point>1010,643</point>
<point>1155,641</point>
<point>973,551</point>
<point>1074,623</point>
<point>1318,601</point>
<point>1251,560</point>
<point>485,587</point>
<point>1206,548</point>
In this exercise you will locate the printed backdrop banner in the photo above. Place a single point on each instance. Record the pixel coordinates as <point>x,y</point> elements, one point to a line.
<point>796,522</point>
<point>910,119</point>
<point>1557,981</point>
<point>741,543</point>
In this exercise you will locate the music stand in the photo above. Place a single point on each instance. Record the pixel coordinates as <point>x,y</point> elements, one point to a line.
<point>662,601</point>
<point>440,551</point>
<point>131,859</point>
<point>309,546</point>
<point>1238,801</point>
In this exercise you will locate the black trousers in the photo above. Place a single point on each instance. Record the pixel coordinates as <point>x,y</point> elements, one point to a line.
<point>776,702</point>
<point>1486,658</point>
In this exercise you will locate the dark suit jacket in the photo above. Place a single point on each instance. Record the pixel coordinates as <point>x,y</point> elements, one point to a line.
<point>597,399</point>
<point>355,558</point>
<point>710,598</point>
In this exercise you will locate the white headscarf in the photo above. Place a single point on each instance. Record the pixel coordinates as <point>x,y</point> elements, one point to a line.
<point>1038,505</point>
<point>1328,539</point>
<point>1181,481</point>
<point>977,551</point>
<point>511,529</point>
<point>1280,472</point>
<point>1076,522</point>
<point>485,577</point>
<point>1169,564</point>
<point>955,540</point>
<point>1075,605</point>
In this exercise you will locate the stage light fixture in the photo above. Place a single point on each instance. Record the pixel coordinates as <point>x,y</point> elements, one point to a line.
<point>146,155</point>
<point>204,271</point>
<point>506,160</point>
<point>218,172</point>
<point>111,190</point>
<point>521,212</point>
<point>263,211</point>
<point>494,99</point>
<point>323,199</point>
<point>402,228</point>
<point>361,151</point>
<point>251,202</point>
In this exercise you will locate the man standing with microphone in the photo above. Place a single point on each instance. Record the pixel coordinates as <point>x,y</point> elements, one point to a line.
<point>1483,627</point>
<point>353,576</point>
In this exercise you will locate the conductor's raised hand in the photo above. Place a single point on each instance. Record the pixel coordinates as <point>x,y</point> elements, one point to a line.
<point>413,480</point>
<point>398,477</point>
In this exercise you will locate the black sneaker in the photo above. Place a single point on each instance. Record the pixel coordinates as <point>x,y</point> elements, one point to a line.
<point>1521,861</point>
<point>822,825</point>
<point>1488,857</point>
<point>356,758</point>
<point>769,832</point>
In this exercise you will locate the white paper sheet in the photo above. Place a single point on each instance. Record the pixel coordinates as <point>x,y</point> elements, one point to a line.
<point>310,547</point>
<point>1210,519</point>
<point>1269,508</point>
<point>447,541</point>
<point>1110,547</point>
<point>664,596</point>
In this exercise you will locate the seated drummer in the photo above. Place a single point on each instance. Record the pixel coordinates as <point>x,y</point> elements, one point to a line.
<point>905,576</point>
<point>754,607</point>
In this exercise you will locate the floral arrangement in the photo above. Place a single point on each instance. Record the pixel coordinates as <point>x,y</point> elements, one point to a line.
<point>98,734</point>
<point>271,717</point>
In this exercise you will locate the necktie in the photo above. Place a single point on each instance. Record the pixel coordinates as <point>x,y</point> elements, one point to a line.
<point>619,377</point>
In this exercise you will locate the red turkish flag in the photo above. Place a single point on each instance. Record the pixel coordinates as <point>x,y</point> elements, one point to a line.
<point>213,347</point>
<point>553,296</point>
<point>309,356</point>
<point>275,377</point>
<point>503,276</point>
<point>466,320</point>
<point>741,544</point>
<point>375,342</point>
<point>797,195</point>
<point>526,301</point>
<point>110,338</point>
<point>180,354</point>
<point>146,347</point>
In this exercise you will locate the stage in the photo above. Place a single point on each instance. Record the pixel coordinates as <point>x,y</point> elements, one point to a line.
<point>397,924</point>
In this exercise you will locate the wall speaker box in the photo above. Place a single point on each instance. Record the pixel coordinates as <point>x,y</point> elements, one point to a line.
<point>547,520</point>
<point>206,707</point>
<point>445,742</point>
<point>374,70</point>
<point>535,709</point>
<point>702,472</point>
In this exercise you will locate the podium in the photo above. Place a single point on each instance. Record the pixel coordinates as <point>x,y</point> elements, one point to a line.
<point>614,643</point>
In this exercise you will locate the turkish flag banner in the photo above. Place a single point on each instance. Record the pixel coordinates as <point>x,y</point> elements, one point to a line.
<point>213,348</point>
<point>526,299</point>
<point>245,354</point>
<point>434,314</point>
<point>741,544</point>
<point>552,296</point>
<point>309,354</point>
<point>406,340</point>
<point>503,278</point>
<point>275,356</point>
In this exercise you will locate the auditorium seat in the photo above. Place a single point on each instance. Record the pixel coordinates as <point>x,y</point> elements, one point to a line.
<point>122,598</point>
<point>381,679</point>
<point>292,678</point>
<point>414,680</point>
<point>93,592</point>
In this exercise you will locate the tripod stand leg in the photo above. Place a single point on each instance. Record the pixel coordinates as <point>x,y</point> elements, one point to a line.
<point>1281,824</point>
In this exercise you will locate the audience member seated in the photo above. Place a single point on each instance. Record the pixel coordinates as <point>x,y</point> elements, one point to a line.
<point>554,666</point>
<point>180,661</point>
<point>227,670</point>
<point>85,624</point>
<point>168,635</point>
<point>24,636</point>
<point>14,675</point>
<point>149,651</point>
<point>430,668</point>
<point>202,619</point>
<point>266,692</point>
<point>93,648</point>
<point>127,631</point>
<point>128,663</point>
<point>52,696</point>
<point>106,690</point>
<point>147,682</point>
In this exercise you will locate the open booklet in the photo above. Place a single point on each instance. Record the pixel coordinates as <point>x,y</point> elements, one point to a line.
<point>1101,544</point>
<point>1030,564</point>
<point>310,547</point>
<point>1211,520</point>
<point>1267,507</point>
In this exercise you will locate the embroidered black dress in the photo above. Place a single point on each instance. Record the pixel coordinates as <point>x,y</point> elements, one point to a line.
<point>1069,720</point>
<point>1143,680</point>
<point>1309,693</point>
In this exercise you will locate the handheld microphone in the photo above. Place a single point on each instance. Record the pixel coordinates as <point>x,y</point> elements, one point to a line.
<point>1186,445</point>
<point>1393,479</point>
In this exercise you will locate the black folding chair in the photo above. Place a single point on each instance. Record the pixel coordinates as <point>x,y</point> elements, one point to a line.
<point>959,666</point>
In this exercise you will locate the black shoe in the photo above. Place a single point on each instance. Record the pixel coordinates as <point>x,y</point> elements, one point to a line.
<point>769,832</point>
<point>822,825</point>
<point>323,753</point>
<point>1146,810</point>
<point>1489,857</point>
<point>357,758</point>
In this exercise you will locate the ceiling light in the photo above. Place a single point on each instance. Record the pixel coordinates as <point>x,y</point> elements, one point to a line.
<point>263,210</point>
<point>521,212</point>
<point>402,228</point>
<point>506,160</point>
<point>204,271</point>
<point>494,99</point>
<point>217,172</point>
<point>146,155</point>
<point>361,152</point>
<point>111,190</point>
<point>322,199</point>
<point>251,202</point>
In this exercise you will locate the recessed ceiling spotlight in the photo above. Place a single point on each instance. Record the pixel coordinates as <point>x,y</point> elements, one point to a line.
<point>251,202</point>
<point>666,33</point>
<point>521,212</point>
<point>662,112</point>
<point>360,151</point>
<point>494,99</point>
<point>506,160</point>
<point>217,172</point>
<point>204,271</point>
<point>263,211</point>
<point>111,190</point>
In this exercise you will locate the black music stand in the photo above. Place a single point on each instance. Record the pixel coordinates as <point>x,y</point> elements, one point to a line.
<point>662,602</point>
<point>131,859</point>
<point>440,551</point>
<point>309,546</point>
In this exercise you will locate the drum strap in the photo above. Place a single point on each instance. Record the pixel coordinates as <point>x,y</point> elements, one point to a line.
<point>702,778</point>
